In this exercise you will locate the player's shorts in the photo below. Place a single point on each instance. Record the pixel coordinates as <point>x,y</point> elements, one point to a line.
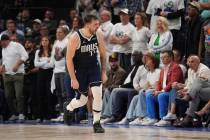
<point>88,77</point>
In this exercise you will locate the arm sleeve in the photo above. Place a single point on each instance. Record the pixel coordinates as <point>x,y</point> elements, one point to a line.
<point>23,53</point>
<point>37,63</point>
<point>176,14</point>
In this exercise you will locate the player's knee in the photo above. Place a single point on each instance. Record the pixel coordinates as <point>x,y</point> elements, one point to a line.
<point>97,92</point>
<point>83,99</point>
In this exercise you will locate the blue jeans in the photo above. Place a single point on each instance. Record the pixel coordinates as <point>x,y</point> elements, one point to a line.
<point>155,103</point>
<point>172,97</point>
<point>137,106</point>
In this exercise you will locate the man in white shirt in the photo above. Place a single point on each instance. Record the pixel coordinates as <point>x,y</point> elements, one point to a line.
<point>13,57</point>
<point>173,10</point>
<point>121,36</point>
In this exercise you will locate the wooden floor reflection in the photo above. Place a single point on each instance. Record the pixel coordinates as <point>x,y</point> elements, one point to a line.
<point>62,132</point>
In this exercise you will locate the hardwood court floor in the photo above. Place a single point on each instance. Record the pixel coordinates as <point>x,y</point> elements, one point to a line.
<point>84,132</point>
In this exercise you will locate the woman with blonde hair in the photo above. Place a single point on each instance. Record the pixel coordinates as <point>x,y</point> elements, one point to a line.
<point>162,39</point>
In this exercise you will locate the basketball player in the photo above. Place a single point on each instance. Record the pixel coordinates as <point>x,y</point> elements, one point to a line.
<point>85,70</point>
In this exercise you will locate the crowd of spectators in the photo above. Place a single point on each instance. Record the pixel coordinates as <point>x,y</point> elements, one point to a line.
<point>158,59</point>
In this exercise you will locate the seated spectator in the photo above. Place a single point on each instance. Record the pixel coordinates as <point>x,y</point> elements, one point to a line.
<point>200,92</point>
<point>204,110</point>
<point>137,110</point>
<point>127,86</point>
<point>177,59</point>
<point>169,74</point>
<point>115,75</point>
<point>196,69</point>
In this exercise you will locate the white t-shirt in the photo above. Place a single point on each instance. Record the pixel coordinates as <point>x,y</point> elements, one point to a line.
<point>121,30</point>
<point>170,6</point>
<point>140,79</point>
<point>140,39</point>
<point>11,54</point>
<point>152,7</point>
<point>153,77</point>
<point>106,28</point>
<point>59,65</point>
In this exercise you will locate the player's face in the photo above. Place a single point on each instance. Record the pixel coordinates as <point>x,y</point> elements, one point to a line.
<point>93,26</point>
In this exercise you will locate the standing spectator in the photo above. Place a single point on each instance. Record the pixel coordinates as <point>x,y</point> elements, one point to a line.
<point>193,30</point>
<point>44,31</point>
<point>36,27</point>
<point>13,57</point>
<point>72,14</point>
<point>49,21</point>
<point>45,65</point>
<point>121,36</point>
<point>152,11</point>
<point>106,28</point>
<point>24,22</point>
<point>12,29</point>
<point>30,80</point>
<point>162,39</point>
<point>204,44</point>
<point>141,34</point>
<point>173,10</point>
<point>59,68</point>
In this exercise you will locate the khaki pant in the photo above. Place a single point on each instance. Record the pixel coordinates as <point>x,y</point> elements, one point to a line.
<point>13,85</point>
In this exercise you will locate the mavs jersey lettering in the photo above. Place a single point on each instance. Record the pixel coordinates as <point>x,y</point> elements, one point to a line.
<point>86,54</point>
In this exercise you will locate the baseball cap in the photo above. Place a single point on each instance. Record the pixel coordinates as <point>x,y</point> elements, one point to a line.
<point>37,21</point>
<point>124,11</point>
<point>113,57</point>
<point>195,4</point>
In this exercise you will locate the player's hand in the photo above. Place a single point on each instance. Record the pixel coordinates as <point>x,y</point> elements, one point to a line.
<point>74,84</point>
<point>104,77</point>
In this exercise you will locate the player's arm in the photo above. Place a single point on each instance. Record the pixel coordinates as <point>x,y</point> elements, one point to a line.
<point>71,49</point>
<point>102,52</point>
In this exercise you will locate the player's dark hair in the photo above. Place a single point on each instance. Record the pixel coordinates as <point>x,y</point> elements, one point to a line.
<point>89,18</point>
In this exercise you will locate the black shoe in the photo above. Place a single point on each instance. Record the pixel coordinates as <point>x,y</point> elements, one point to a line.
<point>97,128</point>
<point>68,115</point>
